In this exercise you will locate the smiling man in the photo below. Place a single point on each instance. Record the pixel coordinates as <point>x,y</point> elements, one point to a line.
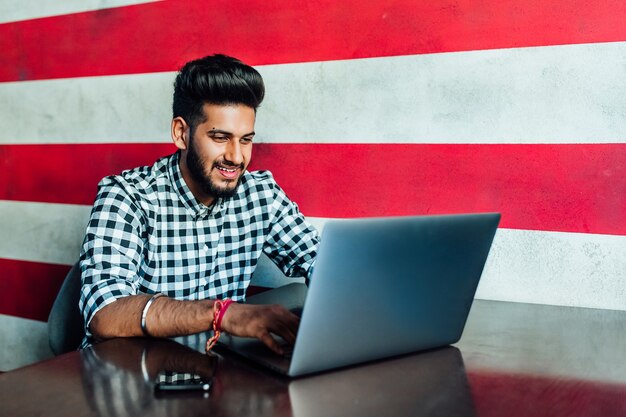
<point>170,248</point>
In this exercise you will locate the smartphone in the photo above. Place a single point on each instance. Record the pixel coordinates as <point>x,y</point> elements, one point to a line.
<point>178,382</point>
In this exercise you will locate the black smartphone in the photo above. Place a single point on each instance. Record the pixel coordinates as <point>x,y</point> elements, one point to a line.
<point>178,382</point>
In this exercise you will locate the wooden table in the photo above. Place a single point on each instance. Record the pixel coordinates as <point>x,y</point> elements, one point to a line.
<point>513,360</point>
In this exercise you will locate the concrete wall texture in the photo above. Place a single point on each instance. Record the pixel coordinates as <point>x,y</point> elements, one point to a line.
<point>373,108</point>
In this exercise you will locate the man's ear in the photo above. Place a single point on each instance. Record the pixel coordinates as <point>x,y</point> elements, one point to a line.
<point>180,133</point>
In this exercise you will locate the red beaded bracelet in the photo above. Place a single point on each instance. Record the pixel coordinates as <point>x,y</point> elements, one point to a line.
<point>219,309</point>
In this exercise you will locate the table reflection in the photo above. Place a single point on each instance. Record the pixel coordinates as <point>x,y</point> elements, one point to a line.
<point>119,376</point>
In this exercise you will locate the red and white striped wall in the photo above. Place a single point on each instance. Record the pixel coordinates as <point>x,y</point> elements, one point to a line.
<point>388,108</point>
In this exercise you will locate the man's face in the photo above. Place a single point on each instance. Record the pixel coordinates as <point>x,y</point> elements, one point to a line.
<point>219,151</point>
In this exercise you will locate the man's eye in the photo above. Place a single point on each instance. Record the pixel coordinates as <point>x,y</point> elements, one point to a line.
<point>219,138</point>
<point>246,140</point>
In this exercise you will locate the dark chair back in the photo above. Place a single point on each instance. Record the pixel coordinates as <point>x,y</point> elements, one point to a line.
<point>65,323</point>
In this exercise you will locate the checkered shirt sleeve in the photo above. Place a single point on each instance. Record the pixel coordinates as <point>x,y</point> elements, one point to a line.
<point>291,242</point>
<point>112,251</point>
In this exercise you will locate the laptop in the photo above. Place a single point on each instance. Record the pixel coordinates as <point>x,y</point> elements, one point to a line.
<point>380,287</point>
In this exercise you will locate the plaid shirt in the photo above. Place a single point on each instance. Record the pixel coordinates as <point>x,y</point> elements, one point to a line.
<point>147,234</point>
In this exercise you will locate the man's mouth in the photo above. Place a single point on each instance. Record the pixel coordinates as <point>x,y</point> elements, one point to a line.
<point>228,172</point>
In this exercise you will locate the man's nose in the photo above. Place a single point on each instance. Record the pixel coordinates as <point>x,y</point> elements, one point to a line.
<point>233,152</point>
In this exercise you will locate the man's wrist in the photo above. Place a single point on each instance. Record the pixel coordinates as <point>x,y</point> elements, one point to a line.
<point>144,313</point>
<point>222,312</point>
<point>219,311</point>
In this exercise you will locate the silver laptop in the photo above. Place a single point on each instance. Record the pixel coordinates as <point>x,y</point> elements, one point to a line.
<point>380,287</point>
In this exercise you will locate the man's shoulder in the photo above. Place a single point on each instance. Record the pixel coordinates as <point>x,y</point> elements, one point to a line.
<point>261,177</point>
<point>254,182</point>
<point>142,180</point>
<point>259,188</point>
<point>258,180</point>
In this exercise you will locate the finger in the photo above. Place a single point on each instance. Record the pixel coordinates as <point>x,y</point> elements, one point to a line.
<point>290,338</point>
<point>287,317</point>
<point>293,324</point>
<point>271,343</point>
<point>285,331</point>
<point>281,318</point>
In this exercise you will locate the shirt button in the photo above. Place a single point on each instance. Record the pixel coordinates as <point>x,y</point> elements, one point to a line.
<point>205,248</point>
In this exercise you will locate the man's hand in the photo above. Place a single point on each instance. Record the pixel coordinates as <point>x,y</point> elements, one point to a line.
<point>259,321</point>
<point>168,317</point>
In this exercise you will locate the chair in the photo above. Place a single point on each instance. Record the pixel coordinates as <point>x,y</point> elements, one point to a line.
<point>268,275</point>
<point>65,322</point>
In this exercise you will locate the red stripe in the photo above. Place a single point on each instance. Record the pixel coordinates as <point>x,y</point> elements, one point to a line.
<point>161,36</point>
<point>570,188</point>
<point>68,173</point>
<point>28,289</point>
<point>511,395</point>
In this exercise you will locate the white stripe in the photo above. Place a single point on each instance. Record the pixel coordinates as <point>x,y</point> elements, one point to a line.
<point>567,269</point>
<point>558,94</point>
<point>571,269</point>
<point>42,232</point>
<point>22,342</point>
<point>16,10</point>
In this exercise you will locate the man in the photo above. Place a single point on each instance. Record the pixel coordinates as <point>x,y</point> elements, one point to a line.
<point>192,226</point>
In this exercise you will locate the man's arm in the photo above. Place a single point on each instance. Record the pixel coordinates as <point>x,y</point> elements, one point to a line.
<point>168,317</point>
<point>112,303</point>
<point>291,242</point>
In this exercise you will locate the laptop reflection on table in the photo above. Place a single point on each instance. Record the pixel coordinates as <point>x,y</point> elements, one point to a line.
<point>429,384</point>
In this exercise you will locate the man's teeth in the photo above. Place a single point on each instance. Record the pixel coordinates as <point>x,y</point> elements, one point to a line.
<point>226,169</point>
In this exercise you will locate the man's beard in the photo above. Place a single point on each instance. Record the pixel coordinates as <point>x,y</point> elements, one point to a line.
<point>196,169</point>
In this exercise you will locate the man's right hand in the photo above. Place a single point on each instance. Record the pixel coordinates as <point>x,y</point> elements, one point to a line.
<point>168,317</point>
<point>259,321</point>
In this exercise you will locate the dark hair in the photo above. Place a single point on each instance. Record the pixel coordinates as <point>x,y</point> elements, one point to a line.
<point>216,79</point>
